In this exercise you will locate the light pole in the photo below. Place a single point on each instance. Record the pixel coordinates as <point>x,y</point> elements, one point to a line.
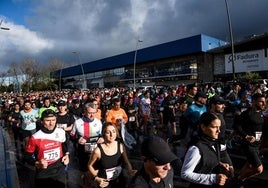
<point>231,37</point>
<point>82,68</point>
<point>60,76</point>
<point>4,28</point>
<point>134,64</point>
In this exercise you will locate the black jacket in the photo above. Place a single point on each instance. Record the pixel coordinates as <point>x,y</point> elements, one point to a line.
<point>142,180</point>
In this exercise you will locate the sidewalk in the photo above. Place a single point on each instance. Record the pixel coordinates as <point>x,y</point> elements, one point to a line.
<point>8,169</point>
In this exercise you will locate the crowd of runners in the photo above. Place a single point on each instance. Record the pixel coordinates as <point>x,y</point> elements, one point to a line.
<point>181,115</point>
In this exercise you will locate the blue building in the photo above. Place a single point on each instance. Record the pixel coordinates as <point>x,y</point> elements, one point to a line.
<point>184,60</point>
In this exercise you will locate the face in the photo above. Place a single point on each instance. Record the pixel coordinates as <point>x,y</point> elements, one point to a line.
<point>174,92</point>
<point>27,106</point>
<point>117,105</point>
<point>130,101</point>
<point>47,103</point>
<point>62,108</point>
<point>213,129</point>
<point>49,122</point>
<point>90,113</point>
<point>110,133</point>
<point>260,103</point>
<point>157,171</point>
<point>219,108</point>
<point>96,104</point>
<point>76,105</point>
<point>33,105</point>
<point>194,90</point>
<point>17,107</point>
<point>202,100</point>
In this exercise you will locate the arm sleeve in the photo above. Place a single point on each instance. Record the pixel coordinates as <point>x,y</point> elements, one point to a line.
<point>29,154</point>
<point>125,117</point>
<point>108,116</point>
<point>73,131</point>
<point>192,159</point>
<point>241,120</point>
<point>65,147</point>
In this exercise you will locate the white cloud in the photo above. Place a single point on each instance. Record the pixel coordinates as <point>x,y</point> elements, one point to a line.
<point>23,40</point>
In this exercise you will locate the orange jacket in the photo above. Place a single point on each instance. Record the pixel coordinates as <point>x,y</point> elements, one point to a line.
<point>112,116</point>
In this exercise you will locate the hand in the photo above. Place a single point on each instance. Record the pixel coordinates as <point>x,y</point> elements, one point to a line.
<point>82,141</point>
<point>119,120</point>
<point>221,179</point>
<point>102,182</point>
<point>42,164</point>
<point>250,139</point>
<point>227,169</point>
<point>225,166</point>
<point>65,159</point>
<point>100,140</point>
<point>132,172</point>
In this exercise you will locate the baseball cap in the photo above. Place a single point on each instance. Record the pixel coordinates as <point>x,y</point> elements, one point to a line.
<point>217,100</point>
<point>61,103</point>
<point>245,92</point>
<point>76,101</point>
<point>48,113</point>
<point>158,150</point>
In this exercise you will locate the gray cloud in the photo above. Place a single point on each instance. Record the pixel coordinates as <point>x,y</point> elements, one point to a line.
<point>102,28</point>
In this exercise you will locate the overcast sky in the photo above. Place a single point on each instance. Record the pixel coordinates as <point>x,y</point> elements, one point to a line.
<point>46,29</point>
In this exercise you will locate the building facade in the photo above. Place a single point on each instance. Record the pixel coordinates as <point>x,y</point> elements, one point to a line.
<point>199,58</point>
<point>250,55</point>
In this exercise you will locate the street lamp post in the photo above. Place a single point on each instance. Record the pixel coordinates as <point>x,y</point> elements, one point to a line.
<point>134,64</point>
<point>231,37</point>
<point>60,76</point>
<point>82,68</point>
<point>4,28</point>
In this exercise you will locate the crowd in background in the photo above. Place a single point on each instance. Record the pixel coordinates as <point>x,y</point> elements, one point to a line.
<point>173,111</point>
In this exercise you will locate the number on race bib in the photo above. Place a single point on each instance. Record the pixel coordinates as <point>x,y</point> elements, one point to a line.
<point>132,118</point>
<point>258,135</point>
<point>52,155</point>
<point>89,147</point>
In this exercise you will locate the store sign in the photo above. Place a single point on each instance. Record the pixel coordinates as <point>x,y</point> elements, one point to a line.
<point>247,61</point>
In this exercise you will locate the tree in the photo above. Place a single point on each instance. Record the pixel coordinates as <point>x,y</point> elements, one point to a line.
<point>3,78</point>
<point>54,65</point>
<point>14,72</point>
<point>30,70</point>
<point>252,76</point>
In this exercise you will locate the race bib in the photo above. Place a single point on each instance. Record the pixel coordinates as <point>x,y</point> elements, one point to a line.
<point>113,173</point>
<point>52,155</point>
<point>131,118</point>
<point>223,147</point>
<point>258,135</point>
<point>62,125</point>
<point>89,147</point>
